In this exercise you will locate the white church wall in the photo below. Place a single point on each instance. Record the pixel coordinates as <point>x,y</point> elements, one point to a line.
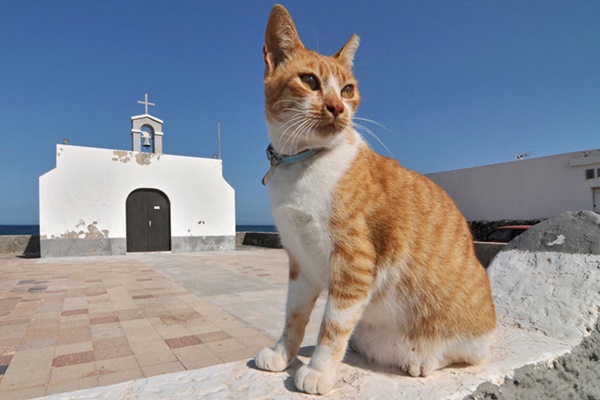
<point>82,200</point>
<point>534,188</point>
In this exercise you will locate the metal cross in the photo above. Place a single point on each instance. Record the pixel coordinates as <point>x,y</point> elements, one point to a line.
<point>146,103</point>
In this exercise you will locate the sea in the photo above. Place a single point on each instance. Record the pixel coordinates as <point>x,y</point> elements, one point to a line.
<point>19,230</point>
<point>255,228</point>
<point>35,229</point>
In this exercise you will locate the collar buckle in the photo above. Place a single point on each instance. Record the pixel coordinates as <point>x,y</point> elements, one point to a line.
<point>276,159</point>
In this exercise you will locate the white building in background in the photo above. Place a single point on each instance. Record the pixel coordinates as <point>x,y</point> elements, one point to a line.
<point>108,202</point>
<point>533,188</point>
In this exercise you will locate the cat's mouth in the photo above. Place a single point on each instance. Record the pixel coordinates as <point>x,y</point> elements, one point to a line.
<point>331,126</point>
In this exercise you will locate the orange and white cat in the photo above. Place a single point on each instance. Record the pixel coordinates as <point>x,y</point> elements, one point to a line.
<point>390,247</point>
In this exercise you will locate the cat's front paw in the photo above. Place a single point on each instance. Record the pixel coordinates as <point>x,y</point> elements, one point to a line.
<point>270,360</point>
<point>311,381</point>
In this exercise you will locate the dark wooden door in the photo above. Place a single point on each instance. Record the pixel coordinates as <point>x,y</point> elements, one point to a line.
<point>148,221</point>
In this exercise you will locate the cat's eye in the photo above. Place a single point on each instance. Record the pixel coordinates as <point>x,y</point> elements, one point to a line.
<point>310,81</point>
<point>347,91</point>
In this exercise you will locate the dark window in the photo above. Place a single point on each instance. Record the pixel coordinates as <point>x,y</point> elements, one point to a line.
<point>589,174</point>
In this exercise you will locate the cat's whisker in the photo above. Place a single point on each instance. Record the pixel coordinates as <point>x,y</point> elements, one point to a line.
<point>295,125</point>
<point>374,136</point>
<point>293,120</point>
<point>379,124</point>
<point>302,123</point>
<point>291,137</point>
<point>297,112</point>
<point>301,130</point>
<point>290,101</point>
<point>294,133</point>
<point>305,130</point>
<point>293,106</point>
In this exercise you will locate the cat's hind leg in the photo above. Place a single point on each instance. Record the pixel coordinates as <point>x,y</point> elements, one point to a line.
<point>420,357</point>
<point>428,357</point>
<point>301,298</point>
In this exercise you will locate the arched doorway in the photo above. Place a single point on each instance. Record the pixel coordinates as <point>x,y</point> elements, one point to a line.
<point>148,215</point>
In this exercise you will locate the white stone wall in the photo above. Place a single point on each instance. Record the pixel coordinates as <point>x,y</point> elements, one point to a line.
<point>534,188</point>
<point>84,197</point>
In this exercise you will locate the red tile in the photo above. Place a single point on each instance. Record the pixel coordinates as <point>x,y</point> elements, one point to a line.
<point>73,359</point>
<point>183,341</point>
<point>73,312</point>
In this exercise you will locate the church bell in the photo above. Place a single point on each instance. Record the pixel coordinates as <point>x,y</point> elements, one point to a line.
<point>146,143</point>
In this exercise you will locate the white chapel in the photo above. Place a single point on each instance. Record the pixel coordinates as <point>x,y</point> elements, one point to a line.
<point>109,202</point>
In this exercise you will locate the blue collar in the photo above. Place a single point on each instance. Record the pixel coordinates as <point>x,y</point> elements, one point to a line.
<point>276,159</point>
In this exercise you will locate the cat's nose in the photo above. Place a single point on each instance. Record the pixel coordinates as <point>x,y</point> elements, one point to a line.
<point>335,108</point>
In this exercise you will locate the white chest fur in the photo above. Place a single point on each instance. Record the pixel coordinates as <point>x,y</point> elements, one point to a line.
<point>301,199</point>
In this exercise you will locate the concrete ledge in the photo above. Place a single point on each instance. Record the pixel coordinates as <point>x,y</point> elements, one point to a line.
<point>118,246</point>
<point>82,247</point>
<point>20,244</point>
<point>202,243</point>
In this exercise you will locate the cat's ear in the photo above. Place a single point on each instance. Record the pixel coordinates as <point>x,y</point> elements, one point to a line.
<point>281,38</point>
<point>346,53</point>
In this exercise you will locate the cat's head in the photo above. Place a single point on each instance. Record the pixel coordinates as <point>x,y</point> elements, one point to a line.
<point>310,98</point>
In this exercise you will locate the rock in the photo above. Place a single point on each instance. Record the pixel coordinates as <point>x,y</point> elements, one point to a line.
<point>547,282</point>
<point>571,232</point>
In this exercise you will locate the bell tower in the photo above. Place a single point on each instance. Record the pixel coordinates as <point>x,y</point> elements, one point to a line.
<point>146,130</point>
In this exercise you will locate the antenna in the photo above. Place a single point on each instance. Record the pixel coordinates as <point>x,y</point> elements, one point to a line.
<point>219,140</point>
<point>521,155</point>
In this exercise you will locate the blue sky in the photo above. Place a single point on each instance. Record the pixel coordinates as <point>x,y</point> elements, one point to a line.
<point>456,83</point>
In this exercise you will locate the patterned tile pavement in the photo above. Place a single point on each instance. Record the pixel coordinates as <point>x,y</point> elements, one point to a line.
<point>74,323</point>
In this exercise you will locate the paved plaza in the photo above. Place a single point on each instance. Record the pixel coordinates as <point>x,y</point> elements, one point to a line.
<point>82,322</point>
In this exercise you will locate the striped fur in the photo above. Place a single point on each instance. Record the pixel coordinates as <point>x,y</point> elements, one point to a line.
<point>388,245</point>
